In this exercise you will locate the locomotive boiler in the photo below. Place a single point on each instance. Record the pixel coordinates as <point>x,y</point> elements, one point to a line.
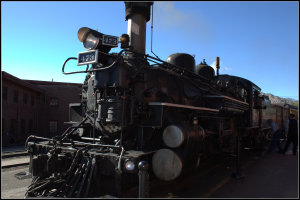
<point>141,118</point>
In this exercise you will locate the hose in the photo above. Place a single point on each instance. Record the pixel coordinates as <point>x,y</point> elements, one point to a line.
<point>90,177</point>
<point>87,169</point>
<point>76,177</point>
<point>68,184</point>
<point>92,70</point>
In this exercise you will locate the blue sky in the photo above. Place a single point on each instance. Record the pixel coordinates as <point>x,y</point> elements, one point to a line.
<point>255,40</point>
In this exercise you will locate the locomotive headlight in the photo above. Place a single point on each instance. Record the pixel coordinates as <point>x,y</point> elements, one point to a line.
<point>90,38</point>
<point>90,42</point>
<point>82,33</point>
<point>129,165</point>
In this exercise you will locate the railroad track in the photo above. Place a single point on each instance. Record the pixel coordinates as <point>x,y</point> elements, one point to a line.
<point>14,159</point>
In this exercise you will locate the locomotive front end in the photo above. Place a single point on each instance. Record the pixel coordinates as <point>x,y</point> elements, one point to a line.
<point>96,155</point>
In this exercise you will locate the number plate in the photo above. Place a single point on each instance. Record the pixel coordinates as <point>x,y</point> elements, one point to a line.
<point>110,40</point>
<point>88,57</point>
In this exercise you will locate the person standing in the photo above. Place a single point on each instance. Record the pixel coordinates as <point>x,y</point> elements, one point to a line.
<point>275,136</point>
<point>292,135</point>
<point>286,128</point>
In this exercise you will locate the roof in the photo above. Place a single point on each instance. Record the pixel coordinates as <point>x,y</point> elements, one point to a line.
<point>291,106</point>
<point>53,83</point>
<point>8,77</point>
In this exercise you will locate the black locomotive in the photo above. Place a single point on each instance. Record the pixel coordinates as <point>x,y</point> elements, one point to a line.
<point>142,117</point>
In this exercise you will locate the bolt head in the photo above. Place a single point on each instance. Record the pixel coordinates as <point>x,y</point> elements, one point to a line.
<point>143,165</point>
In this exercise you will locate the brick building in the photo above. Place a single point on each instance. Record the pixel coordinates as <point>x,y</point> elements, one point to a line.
<point>35,107</point>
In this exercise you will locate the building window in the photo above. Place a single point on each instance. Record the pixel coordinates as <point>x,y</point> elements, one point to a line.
<point>35,118</point>
<point>13,131</point>
<point>4,94</point>
<point>43,99</point>
<point>23,127</point>
<point>32,100</point>
<point>53,102</point>
<point>53,127</point>
<point>16,96</point>
<point>25,98</point>
<point>38,99</point>
<point>30,125</point>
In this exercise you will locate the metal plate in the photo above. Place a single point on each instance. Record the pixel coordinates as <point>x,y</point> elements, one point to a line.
<point>173,136</point>
<point>110,40</point>
<point>87,57</point>
<point>166,164</point>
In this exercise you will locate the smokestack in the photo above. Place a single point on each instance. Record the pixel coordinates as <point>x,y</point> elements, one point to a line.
<point>137,15</point>
<point>217,65</point>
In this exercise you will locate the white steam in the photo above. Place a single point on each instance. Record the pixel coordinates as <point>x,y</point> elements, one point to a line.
<point>190,25</point>
<point>223,69</point>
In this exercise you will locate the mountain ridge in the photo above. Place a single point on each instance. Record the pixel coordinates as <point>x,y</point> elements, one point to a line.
<point>281,101</point>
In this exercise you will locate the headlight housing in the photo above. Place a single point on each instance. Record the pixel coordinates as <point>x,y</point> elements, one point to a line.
<point>91,42</point>
<point>90,38</point>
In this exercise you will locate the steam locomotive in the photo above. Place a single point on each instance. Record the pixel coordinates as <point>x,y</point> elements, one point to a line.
<point>141,118</point>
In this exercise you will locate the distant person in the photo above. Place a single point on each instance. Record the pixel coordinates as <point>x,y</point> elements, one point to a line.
<point>275,136</point>
<point>292,134</point>
<point>286,128</point>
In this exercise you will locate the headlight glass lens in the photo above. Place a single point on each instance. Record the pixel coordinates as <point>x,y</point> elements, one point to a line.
<point>91,42</point>
<point>129,165</point>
